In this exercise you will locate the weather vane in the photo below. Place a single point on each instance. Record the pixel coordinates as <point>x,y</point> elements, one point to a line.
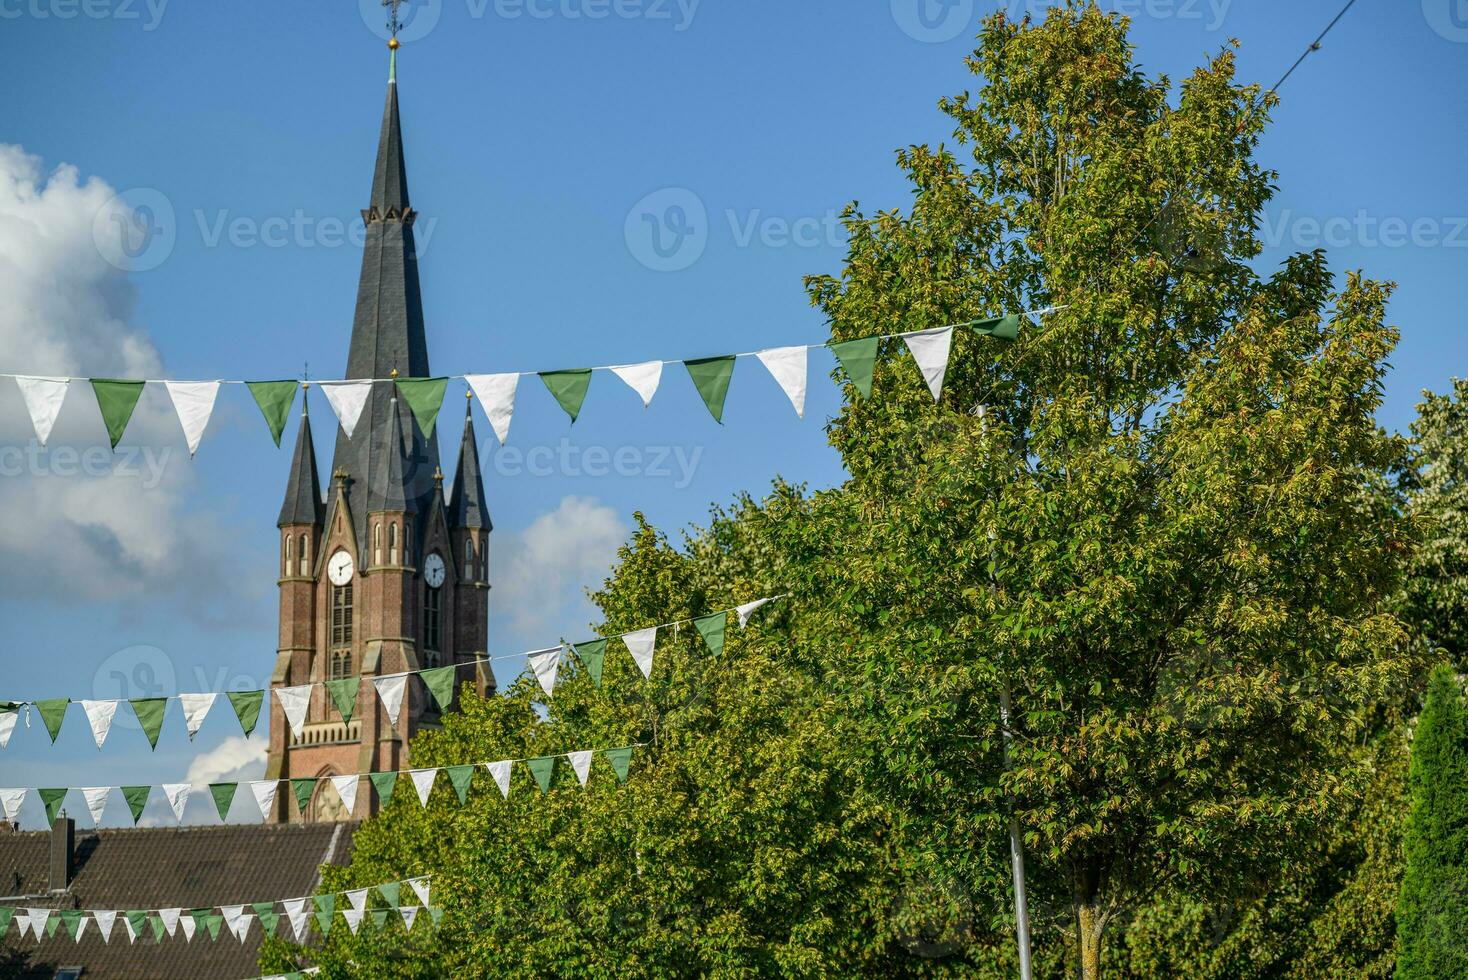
<point>394,22</point>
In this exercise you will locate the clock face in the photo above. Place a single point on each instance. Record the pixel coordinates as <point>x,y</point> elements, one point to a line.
<point>340,568</point>
<point>433,570</point>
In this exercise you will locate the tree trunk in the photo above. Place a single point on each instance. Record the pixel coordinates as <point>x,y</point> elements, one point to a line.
<point>1090,922</point>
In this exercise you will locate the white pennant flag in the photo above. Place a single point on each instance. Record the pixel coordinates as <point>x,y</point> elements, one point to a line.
<point>81,927</point>
<point>38,921</point>
<point>358,898</point>
<point>190,924</point>
<point>105,920</point>
<point>96,797</point>
<point>787,365</point>
<point>11,800</point>
<point>43,398</point>
<point>496,394</point>
<point>7,725</point>
<point>295,910</point>
<point>420,888</point>
<point>195,707</point>
<point>640,645</point>
<point>409,914</point>
<point>132,934</point>
<point>423,781</point>
<point>501,773</point>
<point>294,701</point>
<point>99,716</point>
<point>390,692</point>
<point>23,923</point>
<point>930,349</point>
<point>641,378</point>
<point>264,791</point>
<point>194,403</point>
<point>170,919</point>
<point>747,610</point>
<point>178,797</point>
<point>545,664</point>
<point>581,763</point>
<point>353,917</point>
<point>346,788</point>
<point>232,916</point>
<point>347,400</point>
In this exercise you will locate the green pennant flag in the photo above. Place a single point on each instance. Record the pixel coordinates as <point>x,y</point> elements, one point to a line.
<point>223,794</point>
<point>460,776</point>
<point>209,920</point>
<point>7,912</point>
<point>379,918</point>
<point>569,388</point>
<point>711,377</point>
<point>72,918</point>
<point>116,399</point>
<point>156,923</point>
<point>325,903</point>
<point>383,782</point>
<point>303,788</point>
<point>1000,328</point>
<point>52,712</point>
<point>137,800</point>
<point>542,769</point>
<point>391,892</point>
<point>620,759</point>
<point>440,683</point>
<point>344,695</point>
<point>323,922</point>
<point>275,399</point>
<point>137,918</point>
<point>436,915</point>
<point>593,655</point>
<point>857,357</point>
<point>711,628</point>
<point>269,918</point>
<point>52,798</point>
<point>149,712</point>
<point>424,396</point>
<point>247,708</point>
<point>52,924</point>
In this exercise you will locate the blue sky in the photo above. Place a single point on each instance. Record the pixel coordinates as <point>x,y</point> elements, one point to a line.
<point>538,133</point>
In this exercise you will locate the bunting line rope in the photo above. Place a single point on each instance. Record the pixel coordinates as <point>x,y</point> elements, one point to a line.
<point>194,401</point>
<point>542,770</point>
<point>391,689</point>
<point>44,923</point>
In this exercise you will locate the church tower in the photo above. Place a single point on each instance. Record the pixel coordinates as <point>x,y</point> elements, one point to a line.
<point>383,574</point>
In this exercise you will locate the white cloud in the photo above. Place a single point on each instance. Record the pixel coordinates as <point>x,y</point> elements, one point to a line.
<point>234,760</point>
<point>543,571</point>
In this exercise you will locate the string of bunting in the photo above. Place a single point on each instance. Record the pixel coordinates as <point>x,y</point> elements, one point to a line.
<point>300,913</point>
<point>295,701</point>
<point>541,768</point>
<point>194,401</point>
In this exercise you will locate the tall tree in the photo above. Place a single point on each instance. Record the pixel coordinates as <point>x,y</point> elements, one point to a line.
<point>1437,586</point>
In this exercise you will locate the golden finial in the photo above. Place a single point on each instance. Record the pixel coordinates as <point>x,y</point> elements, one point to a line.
<point>395,374</point>
<point>394,44</point>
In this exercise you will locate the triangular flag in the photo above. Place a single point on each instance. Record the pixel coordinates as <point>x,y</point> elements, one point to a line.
<point>581,764</point>
<point>379,918</point>
<point>155,923</point>
<point>545,664</point>
<point>53,711</point>
<point>72,919</point>
<point>137,800</point>
<point>711,628</point>
<point>170,919</point>
<point>7,913</point>
<point>425,397</point>
<point>324,903</point>
<point>930,349</point>
<point>500,771</point>
<point>295,911</point>
<point>423,782</point>
<point>235,920</point>
<point>43,398</point>
<point>620,760</point>
<point>409,914</point>
<point>105,919</point>
<point>116,399</point>
<point>435,915</point>
<point>569,388</point>
<point>194,403</point>
<point>96,797</point>
<point>420,888</point>
<point>246,706</point>
<point>354,919</point>
<point>346,790</point>
<point>857,357</point>
<point>275,399</point>
<point>9,715</point>
<point>542,769</point>
<point>269,918</point>
<point>496,393</point>
<point>209,921</point>
<point>149,712</point>
<point>641,378</point>
<point>347,398</point>
<point>178,797</point>
<point>134,925</point>
<point>294,701</point>
<point>593,655</point>
<point>323,923</point>
<point>747,610</point>
<point>383,782</point>
<point>358,898</point>
<point>52,799</point>
<point>22,923</point>
<point>264,792</point>
<point>787,365</point>
<point>640,645</point>
<point>12,800</point>
<point>344,695</point>
<point>52,925</point>
<point>390,693</point>
<point>390,892</point>
<point>195,708</point>
<point>1000,328</point>
<point>303,788</point>
<point>190,923</point>
<point>99,716</point>
<point>440,684</point>
<point>223,794</point>
<point>459,778</point>
<point>711,377</point>
<point>38,919</point>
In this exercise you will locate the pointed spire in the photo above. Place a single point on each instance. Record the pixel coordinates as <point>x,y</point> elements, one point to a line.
<point>388,490</point>
<point>303,488</point>
<point>467,508</point>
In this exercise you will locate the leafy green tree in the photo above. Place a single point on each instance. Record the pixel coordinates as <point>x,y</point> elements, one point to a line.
<point>1437,584</point>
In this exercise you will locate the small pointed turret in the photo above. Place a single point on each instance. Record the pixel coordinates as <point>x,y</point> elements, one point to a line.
<point>388,490</point>
<point>467,508</point>
<point>303,504</point>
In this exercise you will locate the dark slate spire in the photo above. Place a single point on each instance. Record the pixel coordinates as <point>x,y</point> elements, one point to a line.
<point>466,501</point>
<point>303,488</point>
<point>388,337</point>
<point>388,485</point>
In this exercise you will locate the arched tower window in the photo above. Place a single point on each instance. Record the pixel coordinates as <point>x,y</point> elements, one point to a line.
<point>377,544</point>
<point>287,554</point>
<point>304,568</point>
<point>468,559</point>
<point>341,614</point>
<point>392,544</point>
<point>433,625</point>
